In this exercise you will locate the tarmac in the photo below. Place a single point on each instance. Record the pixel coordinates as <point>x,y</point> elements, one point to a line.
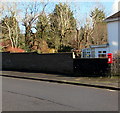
<point>111,83</point>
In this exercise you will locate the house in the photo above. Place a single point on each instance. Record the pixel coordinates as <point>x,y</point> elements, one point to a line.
<point>113,26</point>
<point>101,51</point>
<point>96,51</point>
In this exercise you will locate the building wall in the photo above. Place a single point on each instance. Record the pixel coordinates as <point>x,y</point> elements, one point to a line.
<point>113,36</point>
<point>86,53</point>
<point>54,63</point>
<point>100,49</point>
<point>93,52</point>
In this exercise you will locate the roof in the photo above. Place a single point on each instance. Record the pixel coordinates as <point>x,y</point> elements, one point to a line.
<point>99,46</point>
<point>114,17</point>
<point>96,46</point>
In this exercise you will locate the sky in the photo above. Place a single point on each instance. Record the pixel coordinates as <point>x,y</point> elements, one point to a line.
<point>80,8</point>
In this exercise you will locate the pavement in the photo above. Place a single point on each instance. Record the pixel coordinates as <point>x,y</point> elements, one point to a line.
<point>99,82</point>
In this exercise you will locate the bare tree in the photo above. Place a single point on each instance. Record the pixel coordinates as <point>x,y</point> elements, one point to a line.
<point>32,12</point>
<point>9,13</point>
<point>95,31</point>
<point>64,23</point>
<point>99,31</point>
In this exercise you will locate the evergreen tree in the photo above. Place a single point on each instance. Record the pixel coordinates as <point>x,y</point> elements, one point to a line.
<point>63,24</point>
<point>99,26</point>
<point>42,26</point>
<point>97,15</point>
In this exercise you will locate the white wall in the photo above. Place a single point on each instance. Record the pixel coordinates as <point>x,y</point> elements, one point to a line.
<point>119,35</point>
<point>113,36</point>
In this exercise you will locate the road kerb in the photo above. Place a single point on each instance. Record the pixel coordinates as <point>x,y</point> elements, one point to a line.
<point>64,82</point>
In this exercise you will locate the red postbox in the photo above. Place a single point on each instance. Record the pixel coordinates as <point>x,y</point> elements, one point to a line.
<point>110,58</point>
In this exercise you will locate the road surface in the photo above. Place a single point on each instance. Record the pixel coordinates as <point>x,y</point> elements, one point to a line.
<point>31,95</point>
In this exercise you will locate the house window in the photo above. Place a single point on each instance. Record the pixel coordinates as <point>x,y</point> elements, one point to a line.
<point>99,51</point>
<point>102,55</point>
<point>104,51</point>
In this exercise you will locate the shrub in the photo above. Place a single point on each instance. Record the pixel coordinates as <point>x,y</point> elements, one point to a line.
<point>65,49</point>
<point>14,50</point>
<point>115,66</point>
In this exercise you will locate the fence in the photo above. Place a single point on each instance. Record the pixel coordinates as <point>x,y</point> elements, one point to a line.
<point>52,63</point>
<point>91,67</point>
<point>55,63</point>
